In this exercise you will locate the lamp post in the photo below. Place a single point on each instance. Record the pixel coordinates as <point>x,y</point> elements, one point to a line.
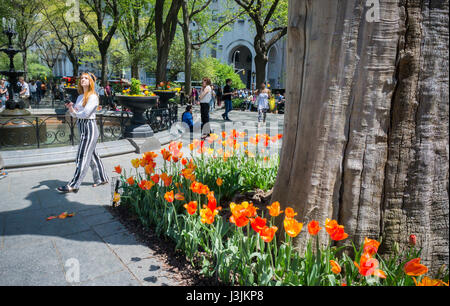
<point>14,106</point>
<point>253,78</point>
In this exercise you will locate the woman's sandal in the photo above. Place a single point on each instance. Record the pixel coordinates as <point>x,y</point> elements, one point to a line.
<point>66,189</point>
<point>99,184</point>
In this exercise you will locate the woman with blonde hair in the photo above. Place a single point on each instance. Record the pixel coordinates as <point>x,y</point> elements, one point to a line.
<point>84,110</point>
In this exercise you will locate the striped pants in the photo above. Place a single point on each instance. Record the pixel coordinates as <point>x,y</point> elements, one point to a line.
<point>87,154</point>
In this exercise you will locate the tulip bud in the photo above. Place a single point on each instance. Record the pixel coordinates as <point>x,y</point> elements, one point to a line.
<point>396,248</point>
<point>412,240</point>
<point>442,270</point>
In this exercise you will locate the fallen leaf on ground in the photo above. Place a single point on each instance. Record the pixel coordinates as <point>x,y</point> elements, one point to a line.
<point>61,216</point>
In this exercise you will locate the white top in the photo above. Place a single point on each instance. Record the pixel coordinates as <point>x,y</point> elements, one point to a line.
<point>26,87</point>
<point>87,112</point>
<point>207,98</point>
<point>263,101</point>
<point>32,87</point>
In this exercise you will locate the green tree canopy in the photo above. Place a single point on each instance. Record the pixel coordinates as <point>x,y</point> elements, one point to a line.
<point>216,71</point>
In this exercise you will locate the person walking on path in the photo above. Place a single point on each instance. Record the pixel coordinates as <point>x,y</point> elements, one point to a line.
<point>219,95</point>
<point>3,93</point>
<point>108,95</point>
<point>205,99</point>
<point>84,110</point>
<point>212,103</point>
<point>33,92</point>
<point>24,92</point>
<point>263,103</point>
<point>226,96</point>
<point>38,91</point>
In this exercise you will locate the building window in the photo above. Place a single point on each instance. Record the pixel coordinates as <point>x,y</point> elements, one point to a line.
<point>214,50</point>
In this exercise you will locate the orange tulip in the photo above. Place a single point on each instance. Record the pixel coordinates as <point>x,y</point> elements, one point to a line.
<point>116,198</point>
<point>118,169</point>
<point>251,210</point>
<point>184,161</point>
<point>415,268</point>
<point>146,185</point>
<point>369,266</point>
<point>426,281</point>
<point>130,181</point>
<point>335,267</point>
<point>166,154</point>
<point>267,233</point>
<point>166,179</point>
<point>212,202</point>
<point>335,230</point>
<point>292,227</point>
<point>169,196</point>
<point>258,224</point>
<point>155,178</point>
<point>219,181</point>
<point>239,221</point>
<point>274,209</point>
<point>179,196</point>
<point>191,207</point>
<point>135,162</point>
<point>207,216</point>
<point>370,246</point>
<point>241,213</point>
<point>313,227</point>
<point>289,212</point>
<point>149,169</point>
<point>150,156</point>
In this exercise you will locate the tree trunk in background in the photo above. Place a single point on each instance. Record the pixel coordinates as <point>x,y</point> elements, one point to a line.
<point>165,33</point>
<point>75,65</point>
<point>135,70</point>
<point>187,50</point>
<point>366,126</point>
<point>260,69</point>
<point>104,59</point>
<point>25,64</point>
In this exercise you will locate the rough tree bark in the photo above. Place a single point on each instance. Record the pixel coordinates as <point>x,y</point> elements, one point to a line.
<point>187,49</point>
<point>366,126</point>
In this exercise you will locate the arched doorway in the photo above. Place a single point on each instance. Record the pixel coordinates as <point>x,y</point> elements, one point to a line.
<point>241,58</point>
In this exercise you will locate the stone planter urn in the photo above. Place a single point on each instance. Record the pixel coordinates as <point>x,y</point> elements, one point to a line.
<point>138,127</point>
<point>164,97</point>
<point>72,93</point>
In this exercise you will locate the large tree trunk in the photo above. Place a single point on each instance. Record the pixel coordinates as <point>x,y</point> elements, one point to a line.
<point>25,64</point>
<point>134,69</point>
<point>75,66</point>
<point>260,67</point>
<point>366,126</point>
<point>261,57</point>
<point>104,59</point>
<point>161,64</point>
<point>165,33</point>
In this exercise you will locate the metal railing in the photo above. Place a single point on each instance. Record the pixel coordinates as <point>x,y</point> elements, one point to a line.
<point>41,131</point>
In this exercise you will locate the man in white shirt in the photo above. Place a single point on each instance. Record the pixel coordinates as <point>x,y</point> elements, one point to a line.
<point>25,91</point>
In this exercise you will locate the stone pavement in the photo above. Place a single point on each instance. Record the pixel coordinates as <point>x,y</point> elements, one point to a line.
<point>34,251</point>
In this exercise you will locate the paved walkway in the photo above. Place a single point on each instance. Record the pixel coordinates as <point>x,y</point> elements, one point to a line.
<point>34,251</point>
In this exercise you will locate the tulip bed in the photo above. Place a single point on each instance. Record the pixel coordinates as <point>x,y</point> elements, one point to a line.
<point>238,243</point>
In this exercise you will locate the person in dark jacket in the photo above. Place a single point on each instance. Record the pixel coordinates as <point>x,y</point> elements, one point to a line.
<point>187,118</point>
